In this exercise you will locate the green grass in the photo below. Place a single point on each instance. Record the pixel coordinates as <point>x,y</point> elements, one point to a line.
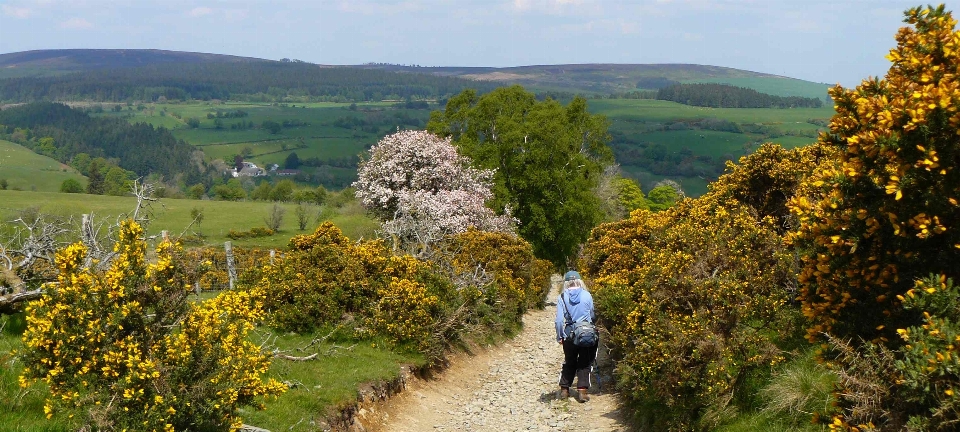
<point>317,138</point>
<point>661,111</point>
<point>775,86</point>
<point>22,409</point>
<point>326,383</point>
<point>703,142</point>
<point>25,170</point>
<point>322,385</point>
<point>174,215</point>
<point>793,141</point>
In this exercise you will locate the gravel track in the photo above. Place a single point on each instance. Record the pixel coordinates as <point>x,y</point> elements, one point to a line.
<point>510,387</point>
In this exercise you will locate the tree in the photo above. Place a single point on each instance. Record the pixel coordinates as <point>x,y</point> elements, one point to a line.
<point>630,195</point>
<point>548,159</point>
<point>262,191</point>
<point>197,214</point>
<point>422,189</point>
<point>71,186</point>
<point>95,179</point>
<point>303,215</point>
<point>271,126</point>
<point>292,161</point>
<point>197,191</point>
<point>117,181</point>
<point>283,191</point>
<point>274,218</point>
<point>3,184</point>
<point>662,197</point>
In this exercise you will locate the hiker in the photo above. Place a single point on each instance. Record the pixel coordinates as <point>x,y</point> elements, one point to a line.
<point>575,331</point>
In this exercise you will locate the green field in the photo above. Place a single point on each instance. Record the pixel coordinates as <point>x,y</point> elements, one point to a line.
<point>661,111</point>
<point>777,86</point>
<point>682,132</point>
<point>25,170</point>
<point>314,135</point>
<point>641,123</point>
<point>173,215</point>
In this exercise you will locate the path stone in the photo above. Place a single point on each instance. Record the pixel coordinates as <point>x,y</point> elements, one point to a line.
<point>512,387</point>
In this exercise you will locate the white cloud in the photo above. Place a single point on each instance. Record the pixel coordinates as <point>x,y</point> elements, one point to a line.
<point>76,23</point>
<point>16,12</point>
<point>199,11</point>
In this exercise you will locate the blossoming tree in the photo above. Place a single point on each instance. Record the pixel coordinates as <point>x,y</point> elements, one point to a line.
<point>423,189</point>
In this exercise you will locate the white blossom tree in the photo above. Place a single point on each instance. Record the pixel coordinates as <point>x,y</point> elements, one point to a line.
<point>422,189</point>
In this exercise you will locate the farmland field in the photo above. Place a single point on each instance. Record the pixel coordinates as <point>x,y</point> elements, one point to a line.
<point>333,134</point>
<point>174,215</point>
<point>655,140</point>
<point>774,86</point>
<point>25,170</point>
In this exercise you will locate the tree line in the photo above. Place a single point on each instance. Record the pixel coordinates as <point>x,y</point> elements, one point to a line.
<point>728,96</point>
<point>65,134</point>
<point>262,81</point>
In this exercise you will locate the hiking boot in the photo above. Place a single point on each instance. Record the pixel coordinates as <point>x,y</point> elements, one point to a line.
<point>564,393</point>
<point>582,395</point>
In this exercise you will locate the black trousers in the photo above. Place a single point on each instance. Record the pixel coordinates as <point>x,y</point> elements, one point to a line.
<point>576,361</point>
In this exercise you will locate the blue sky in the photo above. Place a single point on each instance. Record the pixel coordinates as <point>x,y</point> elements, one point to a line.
<point>818,40</point>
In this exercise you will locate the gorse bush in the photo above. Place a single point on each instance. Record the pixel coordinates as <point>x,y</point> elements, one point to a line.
<point>127,351</point>
<point>325,279</point>
<point>696,297</point>
<point>885,213</point>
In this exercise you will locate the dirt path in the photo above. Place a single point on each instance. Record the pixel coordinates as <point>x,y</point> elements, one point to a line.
<point>512,387</point>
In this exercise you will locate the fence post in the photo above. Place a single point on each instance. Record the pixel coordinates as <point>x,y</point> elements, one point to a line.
<point>231,270</point>
<point>273,254</point>
<point>165,235</point>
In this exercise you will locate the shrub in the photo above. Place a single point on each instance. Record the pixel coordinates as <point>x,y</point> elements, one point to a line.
<point>71,186</point>
<point>695,297</point>
<point>128,348</point>
<point>885,213</point>
<point>430,305</point>
<point>254,232</point>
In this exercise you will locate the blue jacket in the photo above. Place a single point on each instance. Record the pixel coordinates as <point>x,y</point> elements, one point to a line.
<point>579,305</point>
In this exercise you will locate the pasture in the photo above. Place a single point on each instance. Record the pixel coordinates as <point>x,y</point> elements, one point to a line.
<point>339,132</point>
<point>25,170</point>
<point>334,134</point>
<point>173,215</point>
<point>780,86</point>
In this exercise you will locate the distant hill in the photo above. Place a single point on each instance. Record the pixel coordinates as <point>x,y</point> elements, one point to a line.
<point>51,62</point>
<point>591,79</point>
<point>619,78</point>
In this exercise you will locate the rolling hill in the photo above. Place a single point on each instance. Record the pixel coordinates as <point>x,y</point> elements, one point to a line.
<point>618,78</point>
<point>52,62</point>
<point>25,170</point>
<point>566,78</point>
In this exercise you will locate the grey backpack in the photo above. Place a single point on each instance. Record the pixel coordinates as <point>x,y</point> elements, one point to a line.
<point>584,333</point>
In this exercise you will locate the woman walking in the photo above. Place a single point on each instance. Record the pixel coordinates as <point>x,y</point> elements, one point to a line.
<point>575,318</point>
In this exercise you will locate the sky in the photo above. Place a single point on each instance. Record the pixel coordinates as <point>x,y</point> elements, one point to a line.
<point>829,41</point>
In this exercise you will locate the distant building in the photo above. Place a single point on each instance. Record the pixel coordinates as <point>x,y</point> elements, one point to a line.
<point>249,170</point>
<point>288,172</point>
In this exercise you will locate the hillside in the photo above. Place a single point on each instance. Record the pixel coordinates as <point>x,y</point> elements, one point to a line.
<point>28,171</point>
<point>618,78</point>
<point>565,78</point>
<point>51,62</point>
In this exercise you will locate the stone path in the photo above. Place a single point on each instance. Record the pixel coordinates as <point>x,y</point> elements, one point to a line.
<point>512,387</point>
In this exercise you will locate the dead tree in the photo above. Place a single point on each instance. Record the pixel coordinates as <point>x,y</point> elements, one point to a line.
<point>35,236</point>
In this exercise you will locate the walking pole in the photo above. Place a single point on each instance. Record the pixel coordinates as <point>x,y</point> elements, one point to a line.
<point>595,367</point>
